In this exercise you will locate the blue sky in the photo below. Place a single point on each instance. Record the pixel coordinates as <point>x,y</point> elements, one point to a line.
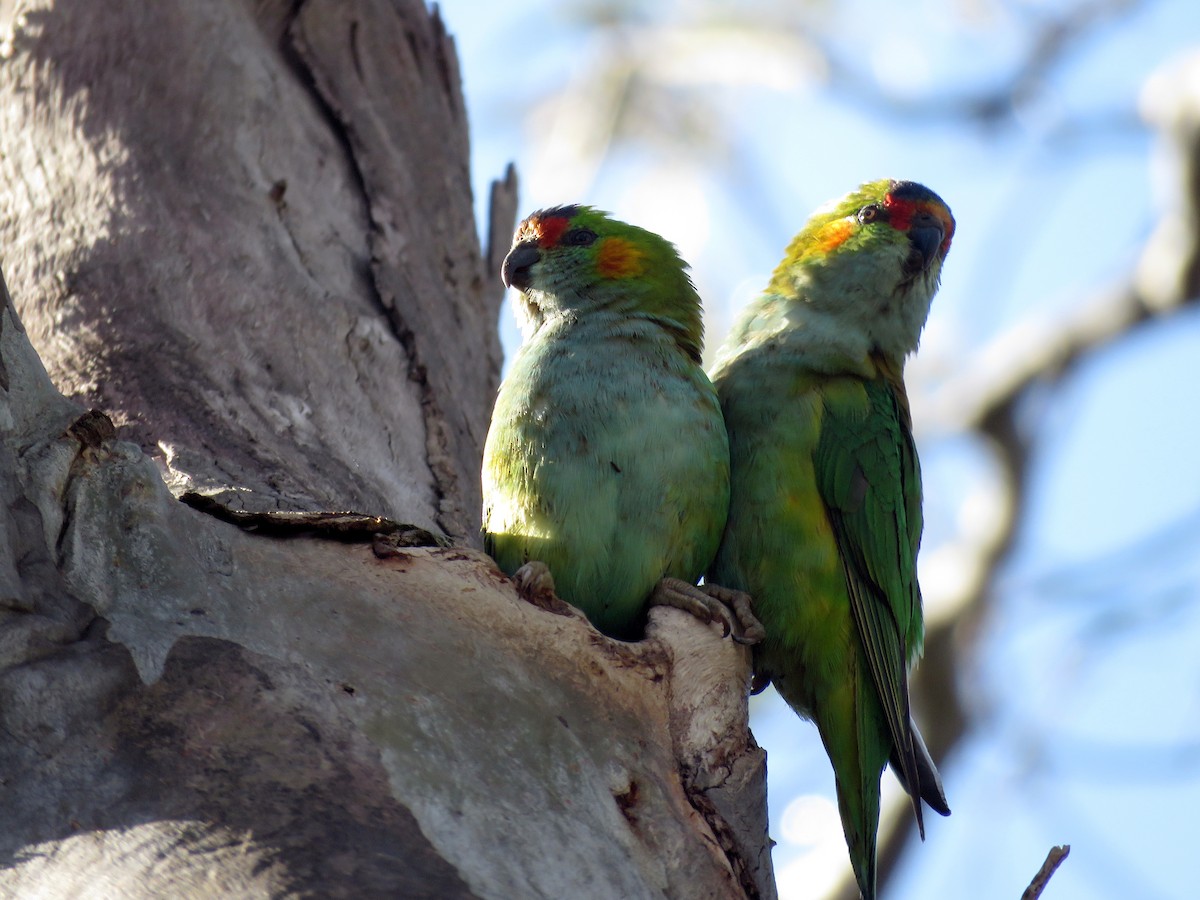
<point>1086,689</point>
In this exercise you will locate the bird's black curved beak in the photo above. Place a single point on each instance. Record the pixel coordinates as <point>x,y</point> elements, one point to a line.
<point>515,271</point>
<point>926,236</point>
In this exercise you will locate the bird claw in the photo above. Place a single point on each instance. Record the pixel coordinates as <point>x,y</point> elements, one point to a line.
<point>712,603</point>
<point>750,630</point>
<point>679,594</point>
<point>535,584</point>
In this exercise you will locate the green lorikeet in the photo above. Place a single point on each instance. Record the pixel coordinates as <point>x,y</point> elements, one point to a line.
<point>825,515</point>
<point>607,461</point>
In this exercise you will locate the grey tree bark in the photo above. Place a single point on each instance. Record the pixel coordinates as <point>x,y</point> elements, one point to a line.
<point>242,234</point>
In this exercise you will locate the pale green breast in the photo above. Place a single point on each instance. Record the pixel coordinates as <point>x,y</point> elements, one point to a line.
<point>607,460</point>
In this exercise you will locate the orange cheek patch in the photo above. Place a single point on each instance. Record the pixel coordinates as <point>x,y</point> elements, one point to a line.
<point>833,236</point>
<point>618,258</point>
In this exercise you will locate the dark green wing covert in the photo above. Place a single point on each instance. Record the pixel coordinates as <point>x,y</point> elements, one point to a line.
<point>869,478</point>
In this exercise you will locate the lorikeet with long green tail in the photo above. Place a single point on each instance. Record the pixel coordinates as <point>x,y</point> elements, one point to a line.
<point>606,467</point>
<point>825,515</point>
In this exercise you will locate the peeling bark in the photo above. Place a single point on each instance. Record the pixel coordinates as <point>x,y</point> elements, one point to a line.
<point>254,247</point>
<point>242,233</point>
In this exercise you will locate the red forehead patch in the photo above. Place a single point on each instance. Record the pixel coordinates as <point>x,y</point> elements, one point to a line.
<point>545,230</point>
<point>901,211</point>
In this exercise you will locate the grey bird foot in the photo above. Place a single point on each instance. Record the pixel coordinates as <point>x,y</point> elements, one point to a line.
<point>535,584</point>
<point>749,630</point>
<point>712,603</point>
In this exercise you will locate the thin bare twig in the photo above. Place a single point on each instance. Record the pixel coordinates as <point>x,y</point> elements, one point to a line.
<point>1053,860</point>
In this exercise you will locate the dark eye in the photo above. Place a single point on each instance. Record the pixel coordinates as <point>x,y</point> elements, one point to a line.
<point>578,237</point>
<point>868,213</point>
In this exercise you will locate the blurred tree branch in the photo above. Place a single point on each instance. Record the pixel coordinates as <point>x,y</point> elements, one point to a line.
<point>1051,39</point>
<point>989,396</point>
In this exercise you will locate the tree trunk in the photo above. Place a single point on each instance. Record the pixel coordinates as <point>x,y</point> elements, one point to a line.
<point>243,231</point>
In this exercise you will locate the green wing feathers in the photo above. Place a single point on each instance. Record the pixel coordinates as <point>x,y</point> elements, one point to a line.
<point>868,476</point>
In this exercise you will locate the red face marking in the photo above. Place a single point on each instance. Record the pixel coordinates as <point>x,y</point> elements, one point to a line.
<point>546,231</point>
<point>948,225</point>
<point>901,211</point>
